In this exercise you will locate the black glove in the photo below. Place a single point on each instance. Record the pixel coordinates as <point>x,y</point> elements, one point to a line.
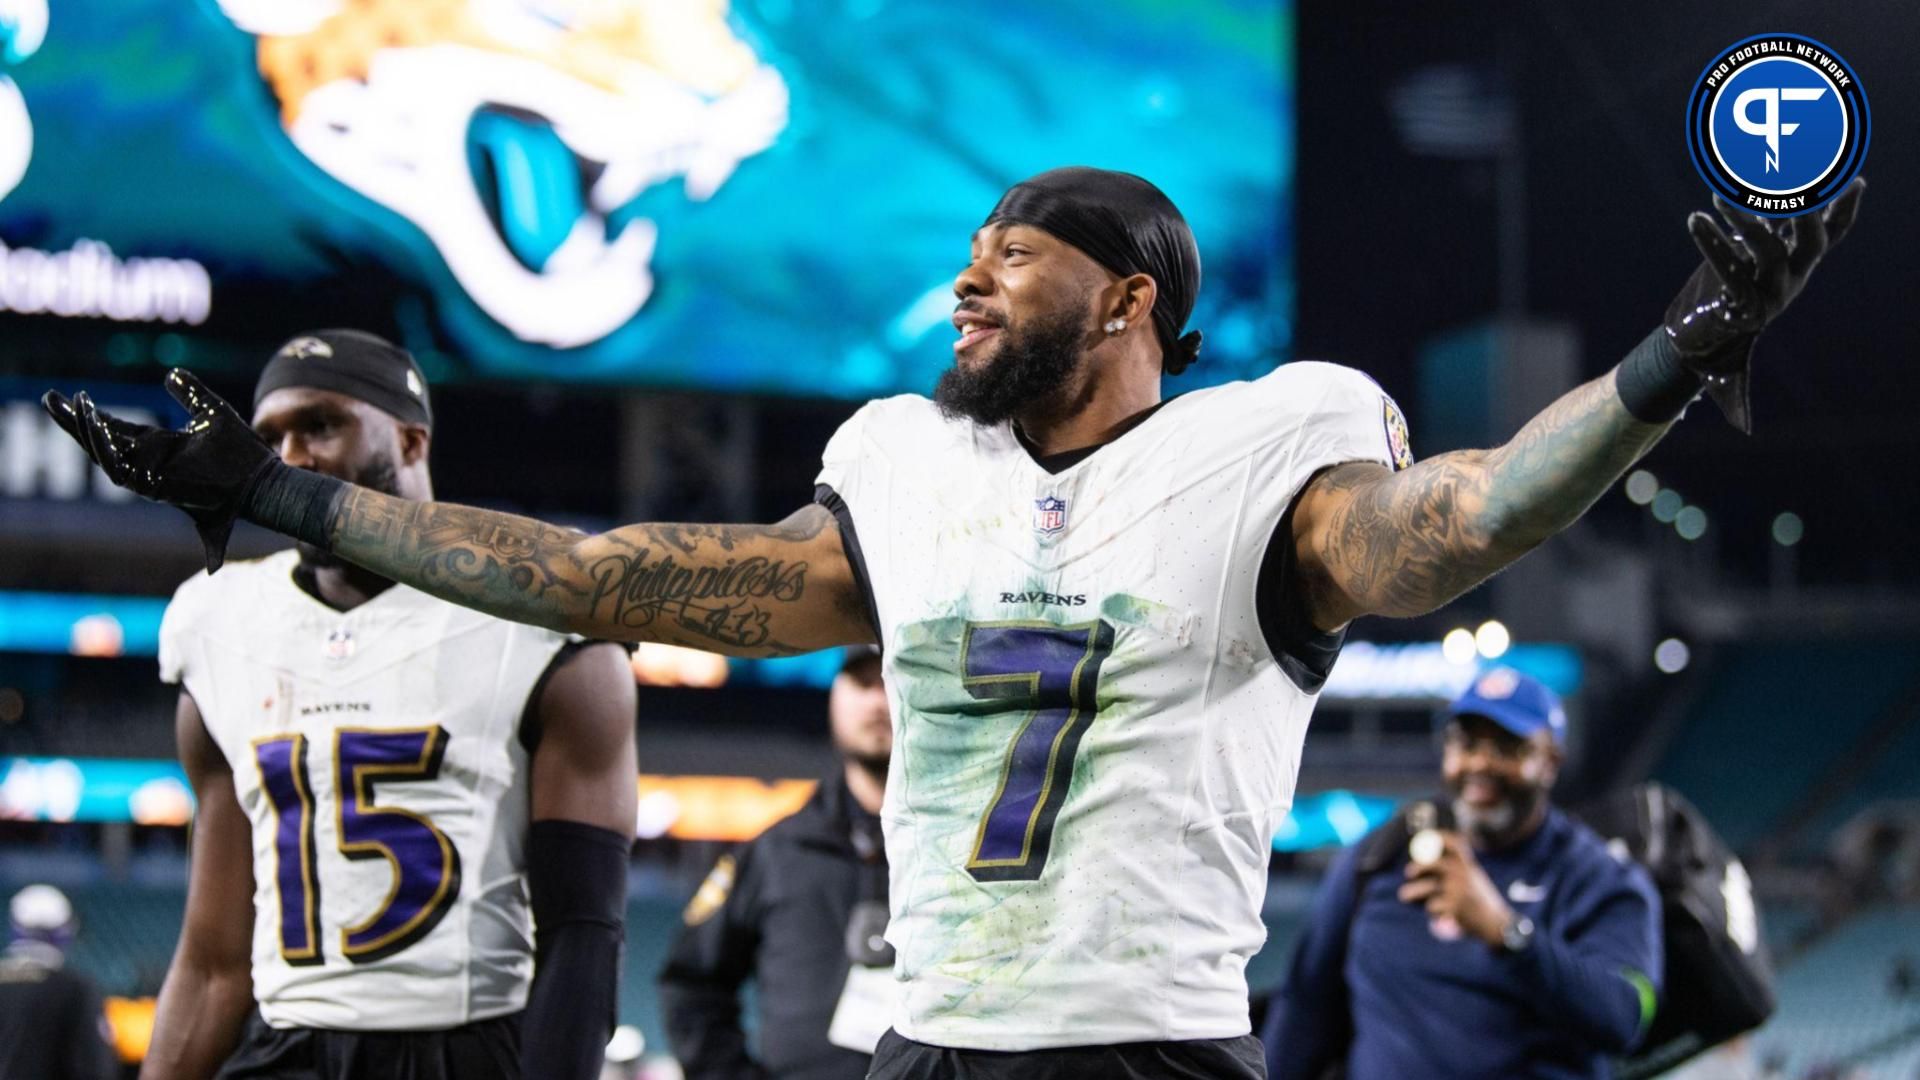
<point>1747,280</point>
<point>215,468</point>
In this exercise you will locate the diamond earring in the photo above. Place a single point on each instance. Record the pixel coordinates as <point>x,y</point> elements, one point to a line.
<point>1114,326</point>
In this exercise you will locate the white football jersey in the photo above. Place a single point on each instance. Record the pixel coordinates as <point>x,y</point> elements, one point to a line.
<point>1093,741</point>
<point>377,754</point>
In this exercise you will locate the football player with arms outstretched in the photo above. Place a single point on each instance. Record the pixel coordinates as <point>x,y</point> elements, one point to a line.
<point>1106,615</point>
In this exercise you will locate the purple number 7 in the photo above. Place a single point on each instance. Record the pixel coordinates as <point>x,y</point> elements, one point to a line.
<point>1051,672</point>
<point>426,865</point>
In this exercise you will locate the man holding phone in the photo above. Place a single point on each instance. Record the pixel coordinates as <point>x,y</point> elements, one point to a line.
<point>1492,935</point>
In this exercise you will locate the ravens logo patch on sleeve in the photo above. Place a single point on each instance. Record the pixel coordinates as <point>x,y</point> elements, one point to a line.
<point>1399,443</point>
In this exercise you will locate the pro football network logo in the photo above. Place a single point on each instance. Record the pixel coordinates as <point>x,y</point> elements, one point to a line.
<point>1049,515</point>
<point>1778,124</point>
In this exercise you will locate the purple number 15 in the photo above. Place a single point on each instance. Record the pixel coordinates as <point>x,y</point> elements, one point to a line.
<point>1051,673</point>
<point>425,864</point>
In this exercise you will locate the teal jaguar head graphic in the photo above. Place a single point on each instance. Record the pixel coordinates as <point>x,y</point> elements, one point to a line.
<point>23,26</point>
<point>514,132</point>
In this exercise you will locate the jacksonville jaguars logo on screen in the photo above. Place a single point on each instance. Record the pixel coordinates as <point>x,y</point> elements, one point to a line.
<point>519,135</point>
<point>1778,124</point>
<point>23,26</point>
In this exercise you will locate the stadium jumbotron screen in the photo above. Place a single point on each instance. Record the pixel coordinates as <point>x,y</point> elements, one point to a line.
<point>644,193</point>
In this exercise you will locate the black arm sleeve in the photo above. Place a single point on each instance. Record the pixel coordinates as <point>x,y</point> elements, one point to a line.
<point>1304,652</point>
<point>713,958</point>
<point>856,559</point>
<point>577,874</point>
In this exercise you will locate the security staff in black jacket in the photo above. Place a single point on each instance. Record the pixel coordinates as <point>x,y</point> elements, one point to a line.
<point>52,1023</point>
<point>802,910</point>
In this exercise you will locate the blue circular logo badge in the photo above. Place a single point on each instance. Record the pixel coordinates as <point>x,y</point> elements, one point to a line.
<point>1778,124</point>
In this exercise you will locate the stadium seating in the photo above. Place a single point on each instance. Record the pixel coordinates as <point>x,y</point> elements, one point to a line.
<point>652,925</point>
<point>1773,717</point>
<point>1901,1062</point>
<point>1838,1004</point>
<point>1889,776</point>
<point>1788,926</point>
<point>129,932</point>
<point>127,935</point>
<point>1268,968</point>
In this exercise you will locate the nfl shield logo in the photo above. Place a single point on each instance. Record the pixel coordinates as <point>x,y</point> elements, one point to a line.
<point>1049,515</point>
<point>339,644</point>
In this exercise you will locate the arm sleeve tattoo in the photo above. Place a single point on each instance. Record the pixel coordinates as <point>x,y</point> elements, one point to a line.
<point>744,590</point>
<point>1405,543</point>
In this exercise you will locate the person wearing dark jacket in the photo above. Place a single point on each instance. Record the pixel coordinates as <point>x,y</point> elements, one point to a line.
<point>1518,945</point>
<point>801,910</point>
<point>52,1023</point>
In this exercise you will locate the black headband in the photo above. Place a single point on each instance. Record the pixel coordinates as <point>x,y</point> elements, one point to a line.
<point>1128,226</point>
<point>353,363</point>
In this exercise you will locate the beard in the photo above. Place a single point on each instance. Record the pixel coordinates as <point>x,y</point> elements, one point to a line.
<point>379,475</point>
<point>1032,370</point>
<point>868,749</point>
<point>874,762</point>
<point>1488,823</point>
<point>1494,824</point>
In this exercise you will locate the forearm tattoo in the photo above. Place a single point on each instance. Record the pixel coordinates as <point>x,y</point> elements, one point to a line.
<point>728,602</point>
<point>1405,543</point>
<point>681,584</point>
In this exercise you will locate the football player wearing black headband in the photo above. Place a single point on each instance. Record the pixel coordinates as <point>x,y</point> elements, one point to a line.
<point>410,849</point>
<point>1106,615</point>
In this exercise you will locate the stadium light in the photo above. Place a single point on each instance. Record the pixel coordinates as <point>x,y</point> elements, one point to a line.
<point>654,814</point>
<point>98,635</point>
<point>1458,646</point>
<point>1642,486</point>
<point>1492,639</point>
<point>1788,529</point>
<point>1671,656</point>
<point>627,1045</point>
<point>1690,523</point>
<point>1667,506</point>
<point>655,664</point>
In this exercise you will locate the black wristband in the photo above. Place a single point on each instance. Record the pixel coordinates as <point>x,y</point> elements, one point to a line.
<point>1653,383</point>
<point>297,502</point>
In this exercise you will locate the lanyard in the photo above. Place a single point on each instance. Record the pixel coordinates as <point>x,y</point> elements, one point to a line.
<point>867,925</point>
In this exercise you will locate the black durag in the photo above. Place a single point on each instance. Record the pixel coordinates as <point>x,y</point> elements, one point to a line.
<point>1128,226</point>
<point>357,364</point>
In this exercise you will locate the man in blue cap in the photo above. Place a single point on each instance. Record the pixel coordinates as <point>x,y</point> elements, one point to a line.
<point>1491,936</point>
